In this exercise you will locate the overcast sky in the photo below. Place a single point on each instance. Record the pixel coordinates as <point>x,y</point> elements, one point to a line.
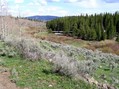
<point>61,7</point>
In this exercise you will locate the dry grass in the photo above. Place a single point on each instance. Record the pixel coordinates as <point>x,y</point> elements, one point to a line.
<point>107,46</point>
<point>60,39</point>
<point>27,27</point>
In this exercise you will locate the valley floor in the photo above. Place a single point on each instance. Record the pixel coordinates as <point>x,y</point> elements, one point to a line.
<point>39,60</point>
<point>106,46</point>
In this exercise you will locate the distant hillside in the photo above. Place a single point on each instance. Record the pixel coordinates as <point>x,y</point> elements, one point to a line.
<point>42,18</point>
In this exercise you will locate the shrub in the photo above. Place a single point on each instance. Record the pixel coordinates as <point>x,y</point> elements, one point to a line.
<point>2,63</point>
<point>117,38</point>
<point>49,30</point>
<point>107,50</point>
<point>28,49</point>
<point>64,65</point>
<point>14,74</point>
<point>11,54</point>
<point>3,52</point>
<point>70,67</point>
<point>86,67</point>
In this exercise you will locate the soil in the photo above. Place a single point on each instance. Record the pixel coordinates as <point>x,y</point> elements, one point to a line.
<point>5,82</point>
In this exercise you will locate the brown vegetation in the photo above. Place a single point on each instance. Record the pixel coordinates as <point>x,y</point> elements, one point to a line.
<point>15,25</point>
<point>107,46</point>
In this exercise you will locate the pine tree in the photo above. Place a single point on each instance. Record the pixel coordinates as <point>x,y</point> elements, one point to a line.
<point>117,27</point>
<point>89,27</point>
<point>75,30</point>
<point>93,35</point>
<point>82,31</point>
<point>111,32</point>
<point>117,38</point>
<point>66,28</point>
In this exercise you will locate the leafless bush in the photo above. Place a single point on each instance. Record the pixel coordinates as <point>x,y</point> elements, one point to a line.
<point>29,49</point>
<point>71,67</point>
<point>64,65</point>
<point>86,67</point>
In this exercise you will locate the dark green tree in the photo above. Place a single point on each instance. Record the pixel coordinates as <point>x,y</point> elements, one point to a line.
<point>88,27</point>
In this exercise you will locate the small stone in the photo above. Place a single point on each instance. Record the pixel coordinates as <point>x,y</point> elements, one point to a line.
<point>105,86</point>
<point>110,87</point>
<point>11,55</point>
<point>3,70</point>
<point>50,85</point>
<point>13,81</point>
<point>100,66</point>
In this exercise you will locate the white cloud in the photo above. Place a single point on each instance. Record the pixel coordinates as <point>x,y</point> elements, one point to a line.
<point>38,2</point>
<point>65,7</point>
<point>89,4</point>
<point>84,3</point>
<point>53,0</point>
<point>19,1</point>
<point>56,0</point>
<point>70,1</point>
<point>30,4</point>
<point>43,2</point>
<point>93,3</point>
<point>112,1</point>
<point>42,10</point>
<point>29,13</point>
<point>52,10</point>
<point>99,6</point>
<point>74,1</point>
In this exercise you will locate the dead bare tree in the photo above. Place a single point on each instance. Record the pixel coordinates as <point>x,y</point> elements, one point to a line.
<point>5,9</point>
<point>19,22</point>
<point>3,19</point>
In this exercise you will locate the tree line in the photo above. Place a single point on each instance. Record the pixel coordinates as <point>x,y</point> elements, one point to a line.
<point>88,27</point>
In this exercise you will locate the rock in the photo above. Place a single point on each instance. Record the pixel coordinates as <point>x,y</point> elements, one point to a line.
<point>3,53</point>
<point>92,81</point>
<point>3,70</point>
<point>103,76</point>
<point>13,80</point>
<point>104,86</point>
<point>100,66</point>
<point>110,87</point>
<point>50,60</point>
<point>11,55</point>
<point>50,85</point>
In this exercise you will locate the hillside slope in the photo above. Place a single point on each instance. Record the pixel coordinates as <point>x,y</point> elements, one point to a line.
<point>40,62</point>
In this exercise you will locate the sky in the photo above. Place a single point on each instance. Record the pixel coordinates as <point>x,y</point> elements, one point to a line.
<point>61,7</point>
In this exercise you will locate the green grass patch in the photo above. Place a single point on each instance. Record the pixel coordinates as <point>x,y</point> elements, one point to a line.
<point>76,43</point>
<point>38,75</point>
<point>41,34</point>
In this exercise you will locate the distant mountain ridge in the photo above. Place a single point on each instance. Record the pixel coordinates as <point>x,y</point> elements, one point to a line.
<point>42,18</point>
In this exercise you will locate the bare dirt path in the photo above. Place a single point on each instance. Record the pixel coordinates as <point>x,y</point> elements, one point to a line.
<point>5,82</point>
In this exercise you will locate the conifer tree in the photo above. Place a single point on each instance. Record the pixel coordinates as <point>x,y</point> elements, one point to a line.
<point>89,27</point>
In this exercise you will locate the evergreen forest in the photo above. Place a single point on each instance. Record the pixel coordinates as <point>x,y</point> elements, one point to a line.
<point>88,27</point>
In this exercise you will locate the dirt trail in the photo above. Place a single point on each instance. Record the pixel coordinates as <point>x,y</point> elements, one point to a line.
<point>5,82</point>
